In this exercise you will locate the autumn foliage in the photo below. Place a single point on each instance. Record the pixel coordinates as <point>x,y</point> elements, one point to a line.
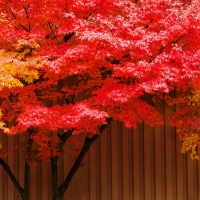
<point>84,63</point>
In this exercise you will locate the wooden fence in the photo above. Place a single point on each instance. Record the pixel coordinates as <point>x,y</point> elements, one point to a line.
<point>140,164</point>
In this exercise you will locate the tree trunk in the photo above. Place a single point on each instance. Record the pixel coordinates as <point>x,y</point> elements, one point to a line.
<point>56,197</point>
<point>24,196</point>
<point>54,173</point>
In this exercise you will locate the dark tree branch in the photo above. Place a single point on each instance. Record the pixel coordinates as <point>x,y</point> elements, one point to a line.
<point>52,31</point>
<point>12,13</point>
<point>65,136</point>
<point>87,18</point>
<point>84,150</point>
<point>23,192</point>
<point>54,173</point>
<point>58,192</point>
<point>67,101</point>
<point>26,178</point>
<point>54,166</point>
<point>26,12</point>
<point>172,42</point>
<point>12,177</point>
<point>26,29</point>
<point>74,168</point>
<point>68,36</point>
<point>74,93</point>
<point>26,171</point>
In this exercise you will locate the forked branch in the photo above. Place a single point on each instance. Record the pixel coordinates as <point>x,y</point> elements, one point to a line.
<point>84,150</point>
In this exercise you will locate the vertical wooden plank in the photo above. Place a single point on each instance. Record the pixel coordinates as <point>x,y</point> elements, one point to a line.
<point>159,163</point>
<point>130,164</point>
<point>33,183</point>
<point>39,179</point>
<point>104,166</point>
<point>98,171</point>
<point>22,138</point>
<point>44,182</point>
<point>179,167</point>
<point>86,187</point>
<point>49,182</point>
<point>181,172</point>
<point>114,158</point>
<point>191,179</point>
<point>185,185</point>
<point>93,172</point>
<point>119,152</point>
<point>67,165</point>
<point>11,143</point>
<point>169,131</point>
<point>125,163</point>
<point>109,163</point>
<point>148,163</point>
<point>80,181</point>
<point>138,165</point>
<point>159,133</point>
<point>83,186</point>
<point>195,171</point>
<point>16,164</point>
<point>169,192</point>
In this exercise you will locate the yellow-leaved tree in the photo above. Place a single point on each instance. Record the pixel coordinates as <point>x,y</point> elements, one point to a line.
<point>17,68</point>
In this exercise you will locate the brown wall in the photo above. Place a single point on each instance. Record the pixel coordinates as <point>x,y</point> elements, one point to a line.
<point>140,164</point>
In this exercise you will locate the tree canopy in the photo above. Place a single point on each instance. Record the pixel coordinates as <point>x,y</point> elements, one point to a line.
<point>115,51</point>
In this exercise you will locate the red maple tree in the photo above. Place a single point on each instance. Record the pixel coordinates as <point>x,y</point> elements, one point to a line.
<point>115,51</point>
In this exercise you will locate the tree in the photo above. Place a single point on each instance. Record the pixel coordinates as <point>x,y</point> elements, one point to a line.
<point>116,52</point>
